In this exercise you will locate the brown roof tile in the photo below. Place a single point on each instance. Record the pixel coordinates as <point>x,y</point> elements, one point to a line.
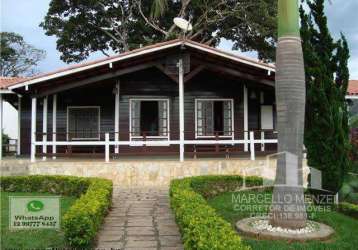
<point>353,87</point>
<point>8,81</point>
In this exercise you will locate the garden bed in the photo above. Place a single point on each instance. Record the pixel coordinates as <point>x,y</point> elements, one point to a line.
<point>346,228</point>
<point>204,211</point>
<point>200,225</point>
<point>91,199</point>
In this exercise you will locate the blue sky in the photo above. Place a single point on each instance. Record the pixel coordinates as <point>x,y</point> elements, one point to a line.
<point>24,17</point>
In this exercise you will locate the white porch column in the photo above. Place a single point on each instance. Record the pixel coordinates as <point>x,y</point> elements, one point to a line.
<point>252,146</point>
<point>18,149</point>
<point>106,147</point>
<point>262,102</point>
<point>44,127</point>
<point>1,124</point>
<point>33,128</point>
<point>246,120</point>
<point>116,117</point>
<point>54,125</point>
<point>181,109</point>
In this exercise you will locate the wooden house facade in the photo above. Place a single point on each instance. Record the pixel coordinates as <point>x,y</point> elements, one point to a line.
<point>174,98</point>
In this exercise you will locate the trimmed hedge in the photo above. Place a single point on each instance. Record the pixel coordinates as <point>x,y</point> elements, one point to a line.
<point>348,209</point>
<point>201,227</point>
<point>212,185</point>
<point>82,221</point>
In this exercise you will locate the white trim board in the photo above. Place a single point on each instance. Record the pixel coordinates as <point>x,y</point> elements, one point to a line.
<point>158,143</point>
<point>351,96</point>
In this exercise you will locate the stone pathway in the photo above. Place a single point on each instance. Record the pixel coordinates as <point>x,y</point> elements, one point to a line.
<point>140,219</point>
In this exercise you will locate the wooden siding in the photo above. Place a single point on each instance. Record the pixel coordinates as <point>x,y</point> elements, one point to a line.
<point>150,83</point>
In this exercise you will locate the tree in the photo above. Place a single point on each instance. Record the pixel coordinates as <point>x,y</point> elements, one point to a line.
<point>86,26</point>
<point>5,141</point>
<point>290,102</point>
<point>327,75</point>
<point>17,57</point>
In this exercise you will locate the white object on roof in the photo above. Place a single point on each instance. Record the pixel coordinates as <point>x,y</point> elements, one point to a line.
<point>183,24</point>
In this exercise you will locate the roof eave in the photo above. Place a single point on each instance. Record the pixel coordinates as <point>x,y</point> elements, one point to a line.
<point>140,53</point>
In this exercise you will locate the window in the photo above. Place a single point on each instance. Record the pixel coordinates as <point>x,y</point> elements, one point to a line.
<point>214,117</point>
<point>83,123</point>
<point>266,117</point>
<point>149,117</point>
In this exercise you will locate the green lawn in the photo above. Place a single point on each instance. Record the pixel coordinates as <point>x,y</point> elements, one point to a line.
<point>346,228</point>
<point>30,239</point>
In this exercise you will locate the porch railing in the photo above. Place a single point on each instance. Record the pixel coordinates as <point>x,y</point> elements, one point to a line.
<point>10,147</point>
<point>256,142</point>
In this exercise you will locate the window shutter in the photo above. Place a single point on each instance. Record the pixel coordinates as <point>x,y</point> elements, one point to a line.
<point>204,118</point>
<point>209,117</point>
<point>227,106</point>
<point>163,118</point>
<point>135,117</point>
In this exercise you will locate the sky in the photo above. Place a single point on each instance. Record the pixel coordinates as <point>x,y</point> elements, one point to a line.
<point>24,17</point>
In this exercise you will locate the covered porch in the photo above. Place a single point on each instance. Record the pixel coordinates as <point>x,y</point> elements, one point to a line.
<point>159,101</point>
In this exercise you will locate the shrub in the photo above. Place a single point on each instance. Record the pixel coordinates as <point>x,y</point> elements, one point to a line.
<point>349,190</point>
<point>348,209</point>
<point>209,186</point>
<point>61,185</point>
<point>201,227</point>
<point>82,221</point>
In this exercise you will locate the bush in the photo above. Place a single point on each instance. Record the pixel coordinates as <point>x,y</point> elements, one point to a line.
<point>83,219</point>
<point>60,185</point>
<point>201,227</point>
<point>209,186</point>
<point>349,190</point>
<point>348,209</point>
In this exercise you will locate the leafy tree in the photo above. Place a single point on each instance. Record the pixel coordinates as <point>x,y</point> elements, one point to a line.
<point>327,75</point>
<point>86,26</point>
<point>353,121</point>
<point>17,57</point>
<point>5,141</point>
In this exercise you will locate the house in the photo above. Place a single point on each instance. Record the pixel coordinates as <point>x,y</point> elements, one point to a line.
<point>352,97</point>
<point>179,98</point>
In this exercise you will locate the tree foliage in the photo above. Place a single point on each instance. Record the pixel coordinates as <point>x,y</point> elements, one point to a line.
<point>17,57</point>
<point>86,26</point>
<point>326,128</point>
<point>5,141</point>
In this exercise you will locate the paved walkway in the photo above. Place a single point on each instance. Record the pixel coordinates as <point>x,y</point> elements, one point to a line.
<point>140,219</point>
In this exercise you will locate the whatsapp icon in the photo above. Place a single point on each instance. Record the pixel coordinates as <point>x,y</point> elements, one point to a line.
<point>35,206</point>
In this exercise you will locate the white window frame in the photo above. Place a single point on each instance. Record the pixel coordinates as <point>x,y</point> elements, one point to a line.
<point>232,118</point>
<point>130,119</point>
<point>99,122</point>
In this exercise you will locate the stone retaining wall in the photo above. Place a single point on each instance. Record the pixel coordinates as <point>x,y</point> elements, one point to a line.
<point>143,173</point>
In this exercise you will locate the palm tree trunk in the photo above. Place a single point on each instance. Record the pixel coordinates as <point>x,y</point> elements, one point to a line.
<point>288,208</point>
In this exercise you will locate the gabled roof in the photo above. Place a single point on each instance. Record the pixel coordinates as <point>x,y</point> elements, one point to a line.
<point>136,53</point>
<point>352,87</point>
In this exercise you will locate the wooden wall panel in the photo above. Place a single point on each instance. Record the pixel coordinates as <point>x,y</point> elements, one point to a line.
<point>149,83</point>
